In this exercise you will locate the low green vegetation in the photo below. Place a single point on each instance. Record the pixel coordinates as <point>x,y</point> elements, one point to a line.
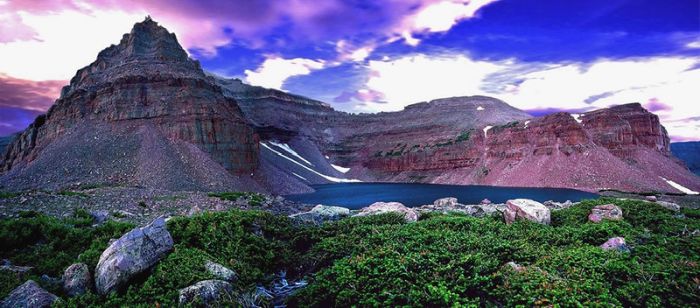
<point>7,195</point>
<point>73,194</point>
<point>441,260</point>
<point>254,199</point>
<point>464,136</point>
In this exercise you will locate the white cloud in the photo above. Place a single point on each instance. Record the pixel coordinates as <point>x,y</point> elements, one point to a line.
<point>437,17</point>
<point>275,70</point>
<point>415,78</point>
<point>63,43</point>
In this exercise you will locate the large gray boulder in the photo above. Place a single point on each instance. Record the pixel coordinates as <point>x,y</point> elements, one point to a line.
<point>526,209</point>
<point>450,205</point>
<point>605,212</point>
<point>133,253</point>
<point>77,280</point>
<point>320,214</point>
<point>389,207</point>
<point>29,295</point>
<point>209,293</point>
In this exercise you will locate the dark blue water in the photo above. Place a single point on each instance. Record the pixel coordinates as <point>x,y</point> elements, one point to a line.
<point>359,195</point>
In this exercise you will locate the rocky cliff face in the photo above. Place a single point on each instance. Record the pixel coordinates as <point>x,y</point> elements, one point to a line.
<point>147,98</point>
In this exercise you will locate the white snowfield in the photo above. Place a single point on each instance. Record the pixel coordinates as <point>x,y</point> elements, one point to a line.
<point>299,176</point>
<point>527,123</point>
<point>578,118</point>
<point>340,169</point>
<point>327,177</point>
<point>680,187</point>
<point>486,130</point>
<point>479,108</point>
<point>289,150</point>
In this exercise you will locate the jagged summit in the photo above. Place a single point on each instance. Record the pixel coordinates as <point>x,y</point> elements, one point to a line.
<point>149,50</point>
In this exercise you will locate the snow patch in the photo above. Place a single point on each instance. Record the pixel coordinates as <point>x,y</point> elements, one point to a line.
<point>340,169</point>
<point>486,130</point>
<point>289,150</point>
<point>329,178</point>
<point>527,123</point>
<point>327,157</point>
<point>578,118</point>
<point>299,176</point>
<point>680,187</point>
<point>479,108</point>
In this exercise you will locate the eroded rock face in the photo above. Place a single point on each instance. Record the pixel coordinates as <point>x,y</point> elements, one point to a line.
<point>526,209</point>
<point>133,253</point>
<point>321,213</point>
<point>209,293</point>
<point>29,295</point>
<point>148,88</point>
<point>605,212</point>
<point>77,280</point>
<point>389,207</point>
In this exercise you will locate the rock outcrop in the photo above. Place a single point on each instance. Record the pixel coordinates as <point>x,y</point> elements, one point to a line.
<point>221,272</point>
<point>29,295</point>
<point>320,214</point>
<point>130,255</point>
<point>526,209</point>
<point>605,212</point>
<point>77,280</point>
<point>378,208</point>
<point>209,293</point>
<point>615,243</point>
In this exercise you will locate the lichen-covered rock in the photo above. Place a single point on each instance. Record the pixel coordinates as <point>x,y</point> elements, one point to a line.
<point>208,293</point>
<point>605,212</point>
<point>389,207</point>
<point>321,213</point>
<point>77,280</point>
<point>133,253</point>
<point>651,198</point>
<point>221,272</point>
<point>450,205</point>
<point>446,202</point>
<point>669,205</point>
<point>29,295</point>
<point>526,209</point>
<point>615,243</point>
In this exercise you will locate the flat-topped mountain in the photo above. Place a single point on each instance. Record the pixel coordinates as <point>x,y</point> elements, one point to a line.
<point>144,114</point>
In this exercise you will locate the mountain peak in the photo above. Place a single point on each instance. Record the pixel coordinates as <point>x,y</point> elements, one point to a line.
<point>148,41</point>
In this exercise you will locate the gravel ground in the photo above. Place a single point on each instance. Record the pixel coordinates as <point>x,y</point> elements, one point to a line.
<point>134,204</point>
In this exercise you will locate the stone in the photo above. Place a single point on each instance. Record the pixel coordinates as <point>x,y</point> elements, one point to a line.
<point>669,205</point>
<point>651,198</point>
<point>615,243</point>
<point>446,202</point>
<point>553,205</point>
<point>605,212</point>
<point>220,271</point>
<point>389,207</point>
<point>132,254</point>
<point>77,280</point>
<point>526,209</point>
<point>486,202</point>
<point>321,213</point>
<point>29,295</point>
<point>516,267</point>
<point>99,216</point>
<point>208,293</point>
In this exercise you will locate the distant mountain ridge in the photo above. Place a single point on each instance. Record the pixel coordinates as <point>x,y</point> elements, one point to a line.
<point>145,114</point>
<point>689,153</point>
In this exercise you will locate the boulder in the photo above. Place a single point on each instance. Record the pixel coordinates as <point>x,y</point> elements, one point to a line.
<point>29,295</point>
<point>77,280</point>
<point>220,271</point>
<point>99,216</point>
<point>615,243</point>
<point>486,202</point>
<point>605,212</point>
<point>208,293</point>
<point>446,202</point>
<point>526,209</point>
<point>389,207</point>
<point>321,213</point>
<point>130,255</point>
<point>669,205</point>
<point>651,198</point>
<point>553,205</point>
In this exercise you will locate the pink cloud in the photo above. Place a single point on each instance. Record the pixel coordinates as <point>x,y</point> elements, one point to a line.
<point>362,95</point>
<point>28,94</point>
<point>654,105</point>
